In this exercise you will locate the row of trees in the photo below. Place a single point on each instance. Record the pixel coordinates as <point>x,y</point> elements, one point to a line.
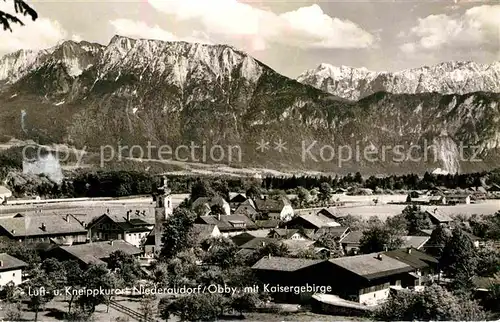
<point>54,276</point>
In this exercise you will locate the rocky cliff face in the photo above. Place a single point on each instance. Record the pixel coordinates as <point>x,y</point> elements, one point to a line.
<point>446,78</point>
<point>140,92</point>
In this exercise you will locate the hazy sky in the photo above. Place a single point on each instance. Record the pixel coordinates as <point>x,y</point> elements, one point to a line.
<point>289,36</point>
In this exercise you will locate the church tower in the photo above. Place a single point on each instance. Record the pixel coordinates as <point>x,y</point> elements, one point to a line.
<point>163,209</point>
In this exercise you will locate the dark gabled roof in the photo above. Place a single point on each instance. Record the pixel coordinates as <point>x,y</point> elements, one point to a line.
<point>414,258</point>
<point>354,237</point>
<point>370,267</point>
<point>238,198</point>
<point>27,226</point>
<point>284,264</point>
<point>439,216</point>
<point>271,204</point>
<point>245,209</point>
<point>319,220</point>
<point>270,223</point>
<point>242,238</point>
<point>210,201</point>
<point>9,263</point>
<point>331,212</point>
<point>258,242</point>
<point>96,252</point>
<point>135,224</point>
<point>227,222</point>
<point>203,231</point>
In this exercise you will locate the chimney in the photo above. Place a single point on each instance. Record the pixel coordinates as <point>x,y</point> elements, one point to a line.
<point>66,218</point>
<point>144,213</point>
<point>13,231</point>
<point>111,243</point>
<point>137,212</point>
<point>269,256</point>
<point>43,227</point>
<point>107,211</point>
<point>218,216</point>
<point>379,257</point>
<point>408,250</point>
<point>1,263</point>
<point>128,216</point>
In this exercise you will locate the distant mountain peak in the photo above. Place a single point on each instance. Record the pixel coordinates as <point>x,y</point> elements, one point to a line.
<point>452,77</point>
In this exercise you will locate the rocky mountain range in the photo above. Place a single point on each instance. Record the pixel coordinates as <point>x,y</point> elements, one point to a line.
<point>455,77</point>
<point>139,92</point>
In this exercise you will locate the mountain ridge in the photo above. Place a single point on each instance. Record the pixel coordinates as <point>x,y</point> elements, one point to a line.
<point>139,91</point>
<point>452,77</point>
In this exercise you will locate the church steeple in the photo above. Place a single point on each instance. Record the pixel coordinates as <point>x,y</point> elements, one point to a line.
<point>163,209</point>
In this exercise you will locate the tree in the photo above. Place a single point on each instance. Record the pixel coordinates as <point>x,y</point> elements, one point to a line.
<point>177,232</point>
<point>222,252</point>
<point>332,242</point>
<point>74,279</point>
<point>21,8</point>
<point>377,239</point>
<point>488,262</point>
<point>193,307</point>
<point>253,192</point>
<point>202,188</point>
<point>13,312</point>
<point>303,196</point>
<point>147,307</point>
<point>126,267</point>
<point>9,292</point>
<point>325,192</point>
<point>95,278</point>
<point>433,304</point>
<point>416,218</point>
<point>437,241</point>
<point>55,272</point>
<point>459,257</point>
<point>245,302</point>
<point>40,290</point>
<point>269,249</point>
<point>217,210</point>
<point>183,270</point>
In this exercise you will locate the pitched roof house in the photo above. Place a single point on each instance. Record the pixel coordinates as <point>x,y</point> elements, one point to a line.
<point>332,213</point>
<point>315,222</point>
<point>59,229</point>
<point>237,200</point>
<point>295,234</point>
<point>437,217</point>
<point>367,278</point>
<point>274,208</point>
<point>93,253</point>
<point>246,208</point>
<point>458,198</point>
<point>229,225</point>
<point>10,269</point>
<point>133,228</point>
<point>209,202</point>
